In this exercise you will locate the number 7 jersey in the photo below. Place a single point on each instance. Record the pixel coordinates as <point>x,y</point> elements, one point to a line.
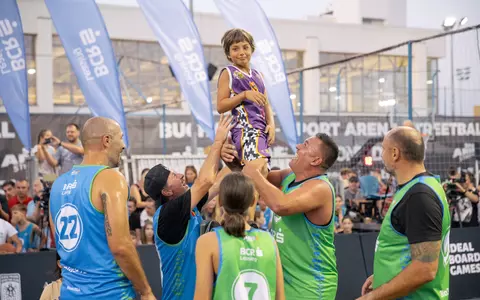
<point>89,269</point>
<point>247,268</point>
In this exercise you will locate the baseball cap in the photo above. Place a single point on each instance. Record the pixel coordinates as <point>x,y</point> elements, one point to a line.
<point>155,181</point>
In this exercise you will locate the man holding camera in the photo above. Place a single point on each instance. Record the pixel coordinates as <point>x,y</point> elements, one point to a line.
<point>463,199</point>
<point>68,153</point>
<point>177,220</point>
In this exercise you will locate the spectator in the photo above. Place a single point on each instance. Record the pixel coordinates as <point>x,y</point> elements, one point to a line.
<point>134,218</point>
<point>208,210</point>
<point>52,290</point>
<point>26,230</point>
<point>133,235</point>
<point>353,196</point>
<point>44,142</point>
<point>8,236</point>
<point>259,219</point>
<point>33,208</point>
<point>463,197</point>
<point>267,214</point>
<point>148,212</point>
<point>68,153</point>
<point>347,225</point>
<point>137,191</point>
<point>345,173</point>
<point>190,175</point>
<point>339,211</point>
<point>22,197</point>
<point>3,207</point>
<point>147,233</point>
<point>9,189</point>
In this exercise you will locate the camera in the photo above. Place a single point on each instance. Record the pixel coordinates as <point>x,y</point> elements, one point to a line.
<point>451,189</point>
<point>44,199</point>
<point>47,141</point>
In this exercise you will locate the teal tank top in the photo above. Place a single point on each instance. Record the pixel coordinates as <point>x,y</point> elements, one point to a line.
<point>177,262</point>
<point>89,269</point>
<point>26,237</point>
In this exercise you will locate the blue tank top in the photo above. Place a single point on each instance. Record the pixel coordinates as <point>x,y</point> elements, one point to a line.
<point>26,237</point>
<point>177,262</point>
<point>89,268</point>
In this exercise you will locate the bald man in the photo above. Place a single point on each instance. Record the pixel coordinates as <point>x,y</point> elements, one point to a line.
<point>88,213</point>
<point>412,250</point>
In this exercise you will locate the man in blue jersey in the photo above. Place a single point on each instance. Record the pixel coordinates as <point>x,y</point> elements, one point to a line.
<point>88,213</point>
<point>177,220</point>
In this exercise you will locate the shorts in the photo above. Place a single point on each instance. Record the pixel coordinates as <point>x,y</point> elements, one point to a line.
<point>251,144</point>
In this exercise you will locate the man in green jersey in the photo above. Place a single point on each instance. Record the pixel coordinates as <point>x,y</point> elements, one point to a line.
<point>412,250</point>
<point>302,222</point>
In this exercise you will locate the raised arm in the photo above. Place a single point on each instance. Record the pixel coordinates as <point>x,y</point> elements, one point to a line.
<point>110,190</point>
<point>51,159</point>
<point>302,200</point>
<point>209,169</point>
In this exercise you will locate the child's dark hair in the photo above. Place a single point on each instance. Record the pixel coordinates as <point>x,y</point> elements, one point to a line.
<point>237,194</point>
<point>234,36</point>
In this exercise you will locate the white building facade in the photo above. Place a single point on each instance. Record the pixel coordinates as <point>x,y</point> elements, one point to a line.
<point>355,87</point>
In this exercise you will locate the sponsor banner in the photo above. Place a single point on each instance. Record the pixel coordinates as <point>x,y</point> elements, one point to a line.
<point>13,75</point>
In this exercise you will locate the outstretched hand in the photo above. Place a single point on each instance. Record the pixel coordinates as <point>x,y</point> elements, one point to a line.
<point>229,152</point>
<point>225,124</point>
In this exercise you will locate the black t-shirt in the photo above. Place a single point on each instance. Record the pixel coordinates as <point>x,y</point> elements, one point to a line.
<point>174,217</point>
<point>419,214</point>
<point>134,221</point>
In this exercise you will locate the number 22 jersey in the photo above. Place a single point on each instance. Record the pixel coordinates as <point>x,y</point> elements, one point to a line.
<point>89,269</point>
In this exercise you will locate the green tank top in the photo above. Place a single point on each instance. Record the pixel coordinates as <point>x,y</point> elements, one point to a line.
<point>247,268</point>
<point>392,251</point>
<point>307,251</point>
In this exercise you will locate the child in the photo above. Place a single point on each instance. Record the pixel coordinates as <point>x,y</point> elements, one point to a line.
<point>237,261</point>
<point>241,90</point>
<point>26,229</point>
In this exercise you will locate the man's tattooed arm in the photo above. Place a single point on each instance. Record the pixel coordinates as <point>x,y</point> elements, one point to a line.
<point>108,228</point>
<point>426,252</point>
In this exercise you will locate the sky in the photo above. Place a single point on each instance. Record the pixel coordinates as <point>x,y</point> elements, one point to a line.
<point>420,13</point>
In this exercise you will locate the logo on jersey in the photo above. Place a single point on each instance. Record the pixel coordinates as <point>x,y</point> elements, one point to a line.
<point>68,187</point>
<point>252,285</point>
<point>68,227</point>
<point>446,248</point>
<point>250,254</point>
<point>277,218</point>
<point>278,235</point>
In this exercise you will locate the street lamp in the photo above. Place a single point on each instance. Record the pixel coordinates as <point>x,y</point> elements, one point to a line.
<point>449,24</point>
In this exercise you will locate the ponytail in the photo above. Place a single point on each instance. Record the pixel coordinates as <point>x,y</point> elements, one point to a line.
<point>234,224</point>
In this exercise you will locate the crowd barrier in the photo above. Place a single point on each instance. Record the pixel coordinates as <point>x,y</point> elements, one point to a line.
<point>27,273</point>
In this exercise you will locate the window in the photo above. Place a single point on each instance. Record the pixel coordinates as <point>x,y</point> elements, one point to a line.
<point>364,82</point>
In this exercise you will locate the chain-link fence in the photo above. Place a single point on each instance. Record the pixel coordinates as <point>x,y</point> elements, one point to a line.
<point>432,81</point>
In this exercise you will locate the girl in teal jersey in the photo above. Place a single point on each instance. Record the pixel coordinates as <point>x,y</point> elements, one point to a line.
<point>237,261</point>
